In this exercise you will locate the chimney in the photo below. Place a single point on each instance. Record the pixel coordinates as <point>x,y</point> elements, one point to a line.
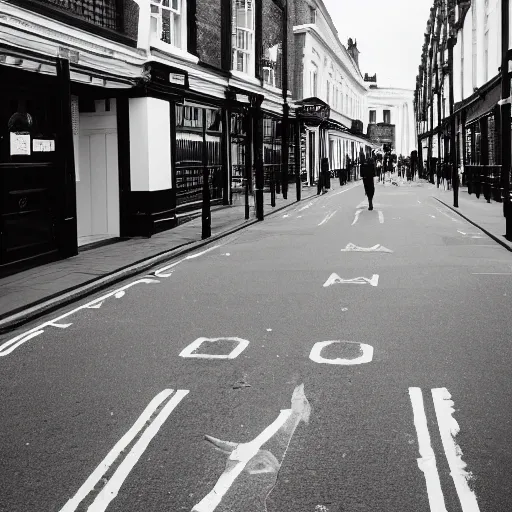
<point>353,51</point>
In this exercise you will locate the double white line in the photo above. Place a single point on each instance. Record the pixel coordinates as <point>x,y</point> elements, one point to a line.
<point>114,483</point>
<point>448,429</point>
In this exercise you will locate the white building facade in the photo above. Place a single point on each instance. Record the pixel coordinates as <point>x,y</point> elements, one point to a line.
<point>326,70</point>
<point>392,106</point>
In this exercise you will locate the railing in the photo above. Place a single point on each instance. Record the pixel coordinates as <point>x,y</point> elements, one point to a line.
<point>103,13</point>
<point>189,183</point>
<point>486,180</point>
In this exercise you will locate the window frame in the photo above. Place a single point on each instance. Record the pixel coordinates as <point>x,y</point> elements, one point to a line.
<point>384,116</point>
<point>373,118</point>
<point>179,13</point>
<point>247,54</point>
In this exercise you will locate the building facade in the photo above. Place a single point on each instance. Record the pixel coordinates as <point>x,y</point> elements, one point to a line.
<point>328,90</point>
<point>390,117</point>
<point>462,96</point>
<point>121,115</point>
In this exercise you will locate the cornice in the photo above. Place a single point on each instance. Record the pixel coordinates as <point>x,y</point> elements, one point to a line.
<point>49,31</point>
<point>355,74</point>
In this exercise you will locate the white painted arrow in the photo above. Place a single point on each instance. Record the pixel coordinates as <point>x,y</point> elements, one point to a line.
<point>376,248</point>
<point>250,457</point>
<point>336,279</point>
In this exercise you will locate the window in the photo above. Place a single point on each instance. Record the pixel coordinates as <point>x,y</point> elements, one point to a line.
<point>328,91</point>
<point>373,116</point>
<point>243,36</point>
<point>387,116</point>
<point>166,21</point>
<point>312,15</point>
<point>313,80</point>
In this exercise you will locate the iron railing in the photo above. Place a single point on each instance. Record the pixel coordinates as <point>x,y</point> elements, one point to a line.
<point>484,180</point>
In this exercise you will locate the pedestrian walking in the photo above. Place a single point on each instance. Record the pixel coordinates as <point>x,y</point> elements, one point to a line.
<point>368,174</point>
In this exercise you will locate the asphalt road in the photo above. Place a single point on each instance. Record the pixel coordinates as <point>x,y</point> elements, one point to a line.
<point>414,415</point>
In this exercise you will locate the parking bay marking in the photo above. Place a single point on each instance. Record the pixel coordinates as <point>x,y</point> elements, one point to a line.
<point>111,488</point>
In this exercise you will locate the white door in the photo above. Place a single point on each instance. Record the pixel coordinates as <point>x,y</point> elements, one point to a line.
<point>97,187</point>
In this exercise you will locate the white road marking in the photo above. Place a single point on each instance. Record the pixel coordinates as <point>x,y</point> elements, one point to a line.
<point>365,357</point>
<point>491,273</point>
<point>381,217</point>
<point>356,218</point>
<point>10,345</point>
<point>306,207</point>
<point>119,447</point>
<point>188,352</point>
<point>109,492</point>
<point>448,429</point>
<point>285,216</point>
<point>376,248</point>
<point>446,215</point>
<point>329,216</point>
<point>250,455</point>
<point>419,201</point>
<point>472,235</point>
<point>336,279</point>
<point>433,216</point>
<point>427,461</point>
<point>345,190</point>
<point>162,271</point>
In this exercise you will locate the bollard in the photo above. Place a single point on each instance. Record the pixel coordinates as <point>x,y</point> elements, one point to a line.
<point>508,219</point>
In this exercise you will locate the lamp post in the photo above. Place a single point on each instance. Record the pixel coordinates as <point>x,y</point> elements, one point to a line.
<point>285,146</point>
<point>505,117</point>
<point>453,153</point>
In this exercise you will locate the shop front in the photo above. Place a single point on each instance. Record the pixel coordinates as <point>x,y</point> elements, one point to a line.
<point>37,196</point>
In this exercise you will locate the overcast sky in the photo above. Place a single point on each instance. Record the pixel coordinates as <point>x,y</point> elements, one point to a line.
<point>389,36</point>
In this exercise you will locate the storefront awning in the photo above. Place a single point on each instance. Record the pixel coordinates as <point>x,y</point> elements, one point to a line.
<point>484,105</point>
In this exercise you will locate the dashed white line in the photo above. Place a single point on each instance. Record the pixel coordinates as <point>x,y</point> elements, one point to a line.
<point>381,217</point>
<point>309,205</point>
<point>328,217</point>
<point>356,218</point>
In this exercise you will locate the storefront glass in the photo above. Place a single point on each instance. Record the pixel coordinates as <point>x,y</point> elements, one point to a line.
<point>198,144</point>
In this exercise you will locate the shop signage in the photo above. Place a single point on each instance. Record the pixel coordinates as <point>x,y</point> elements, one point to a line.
<point>20,143</point>
<point>177,78</point>
<point>42,146</point>
<point>242,98</point>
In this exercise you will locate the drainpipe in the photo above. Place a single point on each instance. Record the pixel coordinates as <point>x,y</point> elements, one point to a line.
<point>505,117</point>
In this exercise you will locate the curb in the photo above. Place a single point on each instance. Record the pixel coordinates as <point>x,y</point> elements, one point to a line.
<point>488,233</point>
<point>37,309</point>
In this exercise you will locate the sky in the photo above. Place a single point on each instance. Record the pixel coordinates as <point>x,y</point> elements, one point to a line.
<point>389,34</point>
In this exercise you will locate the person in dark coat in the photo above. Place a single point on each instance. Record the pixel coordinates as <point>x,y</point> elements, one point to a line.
<point>368,173</point>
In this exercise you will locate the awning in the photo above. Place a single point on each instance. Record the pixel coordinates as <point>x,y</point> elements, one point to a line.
<point>484,105</point>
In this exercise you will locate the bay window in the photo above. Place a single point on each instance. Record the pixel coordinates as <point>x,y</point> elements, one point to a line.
<point>243,36</point>
<point>167,20</point>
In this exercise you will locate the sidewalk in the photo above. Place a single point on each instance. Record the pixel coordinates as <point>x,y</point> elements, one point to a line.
<point>28,294</point>
<point>488,217</point>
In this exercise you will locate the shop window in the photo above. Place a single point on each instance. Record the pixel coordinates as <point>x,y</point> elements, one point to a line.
<point>373,116</point>
<point>387,116</point>
<point>243,36</point>
<point>167,20</point>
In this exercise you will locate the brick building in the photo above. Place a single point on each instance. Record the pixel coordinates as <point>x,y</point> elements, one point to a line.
<point>120,115</point>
